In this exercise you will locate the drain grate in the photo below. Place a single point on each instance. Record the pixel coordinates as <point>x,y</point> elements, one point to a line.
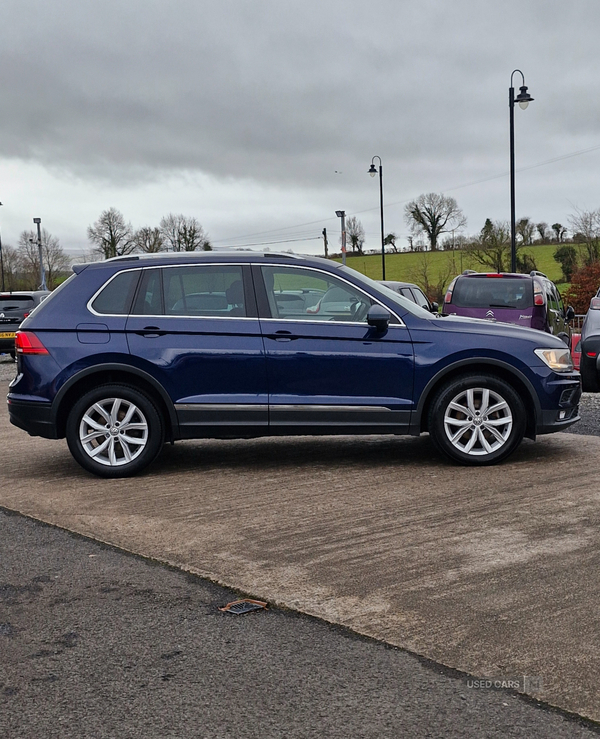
<point>244,606</point>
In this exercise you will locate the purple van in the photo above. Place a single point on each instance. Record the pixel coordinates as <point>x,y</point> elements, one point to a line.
<point>526,300</point>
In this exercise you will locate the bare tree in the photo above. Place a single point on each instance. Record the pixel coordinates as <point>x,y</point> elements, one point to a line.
<point>10,264</point>
<point>390,240</point>
<point>355,234</point>
<point>492,246</point>
<point>525,230</point>
<point>111,236</point>
<point>560,232</point>
<point>432,214</point>
<point>585,225</point>
<point>56,262</point>
<point>149,240</point>
<point>542,229</point>
<point>181,233</point>
<point>432,280</point>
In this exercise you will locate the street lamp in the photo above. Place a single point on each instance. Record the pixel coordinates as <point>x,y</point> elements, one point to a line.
<point>342,214</point>
<point>42,286</point>
<point>523,98</point>
<point>373,172</point>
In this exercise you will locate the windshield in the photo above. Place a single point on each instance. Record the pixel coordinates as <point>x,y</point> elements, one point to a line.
<point>493,292</point>
<point>401,301</point>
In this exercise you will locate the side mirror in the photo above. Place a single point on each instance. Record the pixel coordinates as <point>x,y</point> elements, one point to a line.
<point>434,308</point>
<point>379,317</point>
<point>569,313</point>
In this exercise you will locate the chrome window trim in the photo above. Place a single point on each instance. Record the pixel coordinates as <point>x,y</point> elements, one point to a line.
<point>163,315</point>
<point>337,277</point>
<point>334,323</point>
<point>401,323</point>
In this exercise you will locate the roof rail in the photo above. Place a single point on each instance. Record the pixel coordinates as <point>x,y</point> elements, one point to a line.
<point>469,272</point>
<point>535,273</point>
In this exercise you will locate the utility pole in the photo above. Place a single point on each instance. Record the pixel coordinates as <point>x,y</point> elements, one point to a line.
<point>38,221</point>
<point>342,214</point>
<point>325,242</point>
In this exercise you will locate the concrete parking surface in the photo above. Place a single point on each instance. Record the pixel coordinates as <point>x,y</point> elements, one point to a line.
<point>100,644</point>
<point>491,571</point>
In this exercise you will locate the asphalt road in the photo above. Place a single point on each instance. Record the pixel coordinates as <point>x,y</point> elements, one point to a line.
<point>98,643</point>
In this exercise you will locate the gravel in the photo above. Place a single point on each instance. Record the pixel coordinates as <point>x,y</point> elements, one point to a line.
<point>7,367</point>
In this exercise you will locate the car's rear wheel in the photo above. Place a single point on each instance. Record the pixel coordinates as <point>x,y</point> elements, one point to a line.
<point>115,431</point>
<point>477,419</point>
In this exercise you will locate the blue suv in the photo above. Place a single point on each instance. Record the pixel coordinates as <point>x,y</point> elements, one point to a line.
<point>135,351</point>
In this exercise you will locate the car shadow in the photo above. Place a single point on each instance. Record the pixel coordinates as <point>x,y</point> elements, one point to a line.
<point>313,452</point>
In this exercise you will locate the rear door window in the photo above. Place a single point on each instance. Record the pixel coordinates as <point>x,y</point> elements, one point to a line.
<point>149,298</point>
<point>211,291</point>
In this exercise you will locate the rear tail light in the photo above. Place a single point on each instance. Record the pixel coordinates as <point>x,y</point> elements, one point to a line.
<point>448,295</point>
<point>595,304</point>
<point>538,293</point>
<point>26,342</point>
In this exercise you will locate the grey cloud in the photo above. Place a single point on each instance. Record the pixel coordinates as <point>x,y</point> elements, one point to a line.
<point>282,91</point>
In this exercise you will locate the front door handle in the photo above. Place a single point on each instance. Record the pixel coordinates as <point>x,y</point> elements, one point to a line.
<point>282,336</point>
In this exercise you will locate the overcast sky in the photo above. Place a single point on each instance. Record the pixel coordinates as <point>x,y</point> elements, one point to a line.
<point>261,117</point>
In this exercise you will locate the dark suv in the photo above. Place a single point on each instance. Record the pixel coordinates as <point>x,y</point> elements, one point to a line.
<point>412,292</point>
<point>14,308</point>
<point>527,300</point>
<point>135,351</point>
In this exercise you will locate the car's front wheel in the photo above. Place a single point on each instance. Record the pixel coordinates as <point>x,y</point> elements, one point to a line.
<point>114,431</point>
<point>477,419</point>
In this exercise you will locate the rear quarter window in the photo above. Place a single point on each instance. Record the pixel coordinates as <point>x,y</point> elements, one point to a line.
<point>116,296</point>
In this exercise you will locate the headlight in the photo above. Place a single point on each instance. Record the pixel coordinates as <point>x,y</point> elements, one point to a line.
<point>558,360</point>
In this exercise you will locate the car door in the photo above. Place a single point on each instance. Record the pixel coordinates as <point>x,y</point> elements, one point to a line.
<point>327,368</point>
<point>195,327</point>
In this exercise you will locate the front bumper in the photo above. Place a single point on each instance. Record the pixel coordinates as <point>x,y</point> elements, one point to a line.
<point>567,413</point>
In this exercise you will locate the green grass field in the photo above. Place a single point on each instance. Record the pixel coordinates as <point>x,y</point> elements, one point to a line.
<point>444,265</point>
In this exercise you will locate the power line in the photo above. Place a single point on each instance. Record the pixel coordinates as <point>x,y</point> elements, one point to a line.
<point>402,202</point>
<point>268,243</point>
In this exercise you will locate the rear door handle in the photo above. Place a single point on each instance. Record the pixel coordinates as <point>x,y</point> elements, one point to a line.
<point>150,332</point>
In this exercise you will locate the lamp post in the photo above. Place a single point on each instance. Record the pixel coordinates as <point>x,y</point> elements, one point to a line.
<point>38,221</point>
<point>342,214</point>
<point>523,98</point>
<point>373,172</point>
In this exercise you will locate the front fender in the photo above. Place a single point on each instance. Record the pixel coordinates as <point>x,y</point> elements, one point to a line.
<point>468,366</point>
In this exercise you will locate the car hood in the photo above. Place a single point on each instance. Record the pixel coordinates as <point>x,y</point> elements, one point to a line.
<point>497,328</point>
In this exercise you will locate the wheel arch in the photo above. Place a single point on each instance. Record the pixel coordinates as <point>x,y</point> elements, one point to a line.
<point>500,369</point>
<point>103,374</point>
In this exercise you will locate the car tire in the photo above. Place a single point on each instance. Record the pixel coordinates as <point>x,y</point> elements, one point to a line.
<point>477,419</point>
<point>115,431</point>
